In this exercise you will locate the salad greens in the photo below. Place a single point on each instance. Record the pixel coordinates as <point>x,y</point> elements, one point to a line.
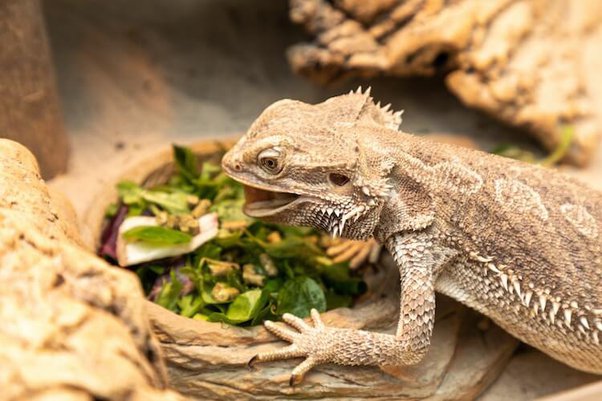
<point>249,272</point>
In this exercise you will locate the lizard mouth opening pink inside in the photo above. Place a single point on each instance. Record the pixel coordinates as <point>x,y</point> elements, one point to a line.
<point>261,203</point>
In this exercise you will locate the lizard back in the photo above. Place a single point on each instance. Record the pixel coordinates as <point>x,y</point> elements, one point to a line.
<point>529,246</point>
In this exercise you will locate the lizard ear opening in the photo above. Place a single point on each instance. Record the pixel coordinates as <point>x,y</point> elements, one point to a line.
<point>338,179</point>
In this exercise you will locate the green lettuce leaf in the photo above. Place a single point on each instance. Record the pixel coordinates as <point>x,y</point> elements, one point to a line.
<point>299,295</point>
<point>245,307</point>
<point>133,195</point>
<point>231,210</point>
<point>168,297</point>
<point>190,305</point>
<point>338,277</point>
<point>157,235</point>
<point>186,162</point>
<point>334,300</point>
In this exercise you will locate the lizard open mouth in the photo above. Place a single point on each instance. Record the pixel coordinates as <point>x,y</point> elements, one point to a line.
<point>261,203</point>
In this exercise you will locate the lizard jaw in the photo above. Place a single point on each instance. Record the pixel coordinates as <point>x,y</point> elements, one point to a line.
<point>262,203</point>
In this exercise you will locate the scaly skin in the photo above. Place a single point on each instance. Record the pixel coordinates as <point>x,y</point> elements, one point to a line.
<point>519,243</point>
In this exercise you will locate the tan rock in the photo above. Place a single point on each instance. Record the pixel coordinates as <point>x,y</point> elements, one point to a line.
<point>23,191</point>
<point>73,327</point>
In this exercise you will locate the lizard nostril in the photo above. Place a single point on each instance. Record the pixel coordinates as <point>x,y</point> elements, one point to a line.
<point>237,167</point>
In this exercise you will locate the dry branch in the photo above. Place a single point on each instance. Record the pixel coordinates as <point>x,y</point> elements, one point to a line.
<point>533,64</point>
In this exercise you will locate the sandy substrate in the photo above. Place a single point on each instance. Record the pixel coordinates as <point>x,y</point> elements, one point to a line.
<point>136,75</point>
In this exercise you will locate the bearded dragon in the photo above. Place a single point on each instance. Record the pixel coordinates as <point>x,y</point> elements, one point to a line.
<point>517,242</point>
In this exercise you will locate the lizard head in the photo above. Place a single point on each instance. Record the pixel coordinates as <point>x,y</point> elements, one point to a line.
<point>304,165</point>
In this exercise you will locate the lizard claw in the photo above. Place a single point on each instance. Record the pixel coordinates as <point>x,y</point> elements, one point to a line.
<point>302,344</point>
<point>251,363</point>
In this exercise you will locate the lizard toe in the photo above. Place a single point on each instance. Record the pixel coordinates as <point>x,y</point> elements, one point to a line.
<point>288,352</point>
<point>299,372</point>
<point>296,322</point>
<point>316,319</point>
<point>280,331</point>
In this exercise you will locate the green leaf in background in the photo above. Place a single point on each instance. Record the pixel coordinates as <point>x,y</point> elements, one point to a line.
<point>209,170</point>
<point>148,274</point>
<point>174,202</point>
<point>132,194</point>
<point>292,247</point>
<point>231,210</point>
<point>338,277</point>
<point>287,270</point>
<point>207,298</point>
<point>227,239</point>
<point>566,139</point>
<point>228,189</point>
<point>168,297</point>
<point>190,305</point>
<point>185,162</point>
<point>129,193</point>
<point>515,152</point>
<point>214,185</point>
<point>208,250</point>
<point>156,235</point>
<point>111,210</point>
<point>299,295</point>
<point>273,285</point>
<point>245,307</point>
<point>264,314</point>
<point>295,231</point>
<point>201,317</point>
<point>334,300</point>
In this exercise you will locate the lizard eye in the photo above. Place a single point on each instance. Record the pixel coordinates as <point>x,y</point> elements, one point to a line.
<point>268,161</point>
<point>338,179</point>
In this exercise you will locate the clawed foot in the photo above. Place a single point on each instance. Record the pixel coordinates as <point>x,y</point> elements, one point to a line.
<point>305,342</point>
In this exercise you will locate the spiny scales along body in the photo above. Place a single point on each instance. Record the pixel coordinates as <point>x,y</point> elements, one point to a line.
<point>517,242</point>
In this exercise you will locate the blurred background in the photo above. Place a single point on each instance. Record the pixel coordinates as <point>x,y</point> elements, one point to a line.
<point>133,76</point>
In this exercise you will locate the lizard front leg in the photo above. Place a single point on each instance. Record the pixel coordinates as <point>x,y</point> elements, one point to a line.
<point>321,344</point>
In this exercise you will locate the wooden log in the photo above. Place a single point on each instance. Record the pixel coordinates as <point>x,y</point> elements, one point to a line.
<point>29,105</point>
<point>73,328</point>
<point>532,64</point>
